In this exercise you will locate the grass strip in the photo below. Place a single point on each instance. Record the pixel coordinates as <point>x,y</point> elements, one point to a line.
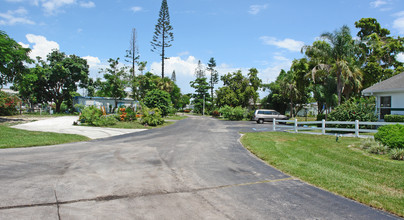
<point>338,167</point>
<point>14,138</point>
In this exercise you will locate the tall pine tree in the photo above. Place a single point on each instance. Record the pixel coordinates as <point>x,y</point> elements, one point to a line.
<point>163,35</point>
<point>214,76</point>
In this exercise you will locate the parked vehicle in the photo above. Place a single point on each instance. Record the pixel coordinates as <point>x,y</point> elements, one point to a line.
<point>262,115</point>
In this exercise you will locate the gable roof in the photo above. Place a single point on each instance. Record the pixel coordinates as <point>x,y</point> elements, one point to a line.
<point>393,84</point>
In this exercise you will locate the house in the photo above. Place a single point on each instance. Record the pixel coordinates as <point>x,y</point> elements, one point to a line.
<point>107,102</point>
<point>389,96</point>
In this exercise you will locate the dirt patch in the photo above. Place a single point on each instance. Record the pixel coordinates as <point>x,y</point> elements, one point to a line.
<point>19,119</point>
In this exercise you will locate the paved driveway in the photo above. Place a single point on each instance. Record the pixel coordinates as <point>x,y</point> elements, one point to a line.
<point>194,169</point>
<point>65,125</point>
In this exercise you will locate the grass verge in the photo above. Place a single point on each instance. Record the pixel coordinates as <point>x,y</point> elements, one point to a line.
<point>334,166</point>
<point>13,138</point>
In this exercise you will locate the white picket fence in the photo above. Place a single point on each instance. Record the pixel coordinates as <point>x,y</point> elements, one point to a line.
<point>300,125</point>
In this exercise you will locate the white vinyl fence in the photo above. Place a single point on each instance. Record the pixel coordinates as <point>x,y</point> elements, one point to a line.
<point>304,125</point>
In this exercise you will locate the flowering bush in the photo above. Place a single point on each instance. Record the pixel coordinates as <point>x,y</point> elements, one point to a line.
<point>8,104</point>
<point>127,114</point>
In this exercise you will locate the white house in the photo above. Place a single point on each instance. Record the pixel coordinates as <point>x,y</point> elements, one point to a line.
<point>389,96</point>
<point>108,103</point>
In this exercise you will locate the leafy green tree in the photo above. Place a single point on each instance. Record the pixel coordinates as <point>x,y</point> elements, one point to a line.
<point>201,94</point>
<point>379,51</point>
<point>184,100</point>
<point>116,81</point>
<point>55,79</point>
<point>12,59</point>
<point>142,66</point>
<point>238,90</point>
<point>214,76</point>
<point>158,99</point>
<point>163,35</point>
<point>275,99</point>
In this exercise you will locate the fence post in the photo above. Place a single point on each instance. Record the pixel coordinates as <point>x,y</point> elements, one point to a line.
<point>274,124</point>
<point>323,127</point>
<point>356,128</point>
<point>295,125</point>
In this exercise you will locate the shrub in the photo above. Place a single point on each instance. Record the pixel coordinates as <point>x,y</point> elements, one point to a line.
<point>126,114</point>
<point>234,114</point>
<point>361,109</point>
<point>378,149</point>
<point>158,99</point>
<point>8,104</point>
<point>79,107</point>
<point>90,115</point>
<point>152,117</point>
<point>394,118</point>
<point>105,120</point>
<point>320,117</point>
<point>391,135</point>
<point>368,143</point>
<point>397,154</point>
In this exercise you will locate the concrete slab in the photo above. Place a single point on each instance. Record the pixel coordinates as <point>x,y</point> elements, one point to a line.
<point>65,125</point>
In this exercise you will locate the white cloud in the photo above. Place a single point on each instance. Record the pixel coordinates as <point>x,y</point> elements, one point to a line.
<point>92,61</point>
<point>377,3</point>
<point>287,43</point>
<point>399,22</point>
<point>89,4</point>
<point>182,67</point>
<point>136,9</point>
<point>41,46</point>
<point>15,17</point>
<point>270,73</point>
<point>255,9</point>
<point>23,45</point>
<point>52,7</point>
<point>400,57</point>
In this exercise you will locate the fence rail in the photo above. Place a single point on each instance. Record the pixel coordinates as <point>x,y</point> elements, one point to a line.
<point>324,124</point>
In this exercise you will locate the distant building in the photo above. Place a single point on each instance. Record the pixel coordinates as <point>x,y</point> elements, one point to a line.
<point>107,102</point>
<point>389,96</point>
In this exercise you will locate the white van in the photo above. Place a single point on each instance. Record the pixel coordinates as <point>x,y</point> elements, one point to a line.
<point>262,115</point>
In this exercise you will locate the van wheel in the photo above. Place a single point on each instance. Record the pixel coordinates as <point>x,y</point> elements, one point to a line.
<point>260,121</point>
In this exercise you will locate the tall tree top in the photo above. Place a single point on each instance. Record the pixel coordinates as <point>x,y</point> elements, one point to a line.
<point>162,34</point>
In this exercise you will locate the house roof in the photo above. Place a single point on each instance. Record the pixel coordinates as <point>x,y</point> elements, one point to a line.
<point>393,84</point>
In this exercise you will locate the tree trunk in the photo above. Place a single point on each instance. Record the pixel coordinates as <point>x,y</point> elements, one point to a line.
<point>58,104</point>
<point>339,86</point>
<point>162,56</point>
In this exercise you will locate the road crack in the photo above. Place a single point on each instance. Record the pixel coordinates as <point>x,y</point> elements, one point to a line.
<point>138,195</point>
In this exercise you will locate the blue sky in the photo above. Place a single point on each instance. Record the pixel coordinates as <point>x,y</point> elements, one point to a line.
<point>265,34</point>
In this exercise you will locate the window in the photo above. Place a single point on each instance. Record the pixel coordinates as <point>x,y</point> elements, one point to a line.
<point>385,106</point>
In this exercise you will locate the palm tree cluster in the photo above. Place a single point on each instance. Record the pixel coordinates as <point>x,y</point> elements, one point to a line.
<point>337,67</point>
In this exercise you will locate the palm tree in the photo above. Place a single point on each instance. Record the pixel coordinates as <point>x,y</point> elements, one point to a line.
<point>336,55</point>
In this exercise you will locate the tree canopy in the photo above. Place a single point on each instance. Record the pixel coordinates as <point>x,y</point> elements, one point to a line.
<point>55,79</point>
<point>12,59</point>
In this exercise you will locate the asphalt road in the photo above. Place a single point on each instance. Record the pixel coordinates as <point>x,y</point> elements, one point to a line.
<point>194,169</point>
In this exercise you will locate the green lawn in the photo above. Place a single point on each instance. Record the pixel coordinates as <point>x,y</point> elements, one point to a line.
<point>339,167</point>
<point>13,138</point>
